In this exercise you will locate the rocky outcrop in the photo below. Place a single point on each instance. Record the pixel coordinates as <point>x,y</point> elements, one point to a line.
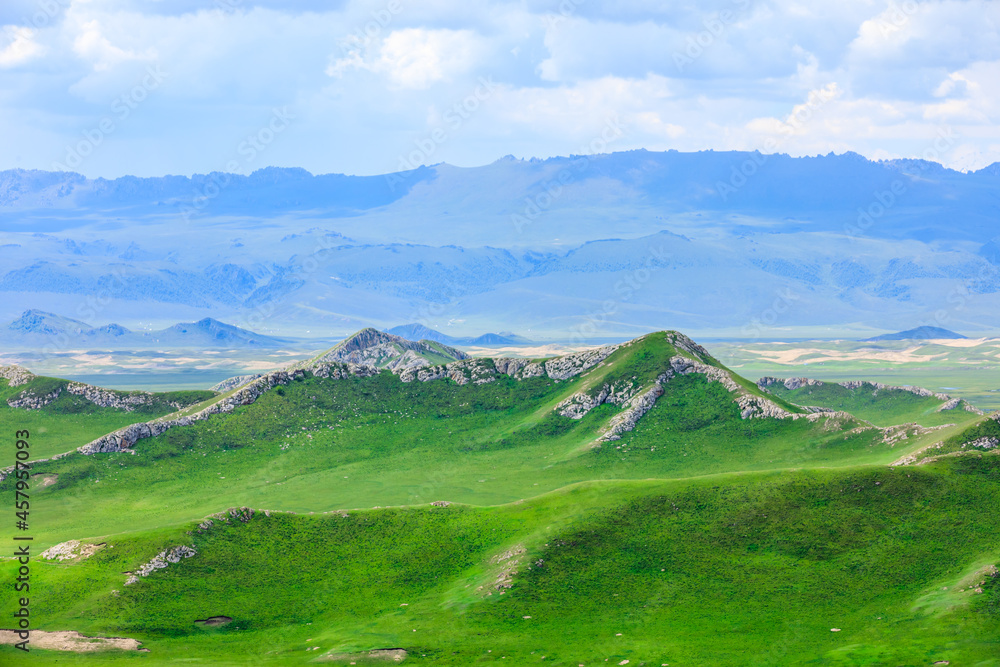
<point>370,347</point>
<point>626,420</point>
<point>16,375</point>
<point>788,383</point>
<point>123,439</point>
<point>107,398</point>
<point>482,371</point>
<point>509,562</point>
<point>878,386</point>
<point>684,366</point>
<point>27,400</point>
<point>341,371</point>
<point>580,403</point>
<point>475,371</point>
<point>71,550</point>
<point>949,405</point>
<point>234,383</point>
<point>983,443</point>
<point>161,561</point>
<point>571,365</point>
<point>126,401</point>
<point>796,383</point>
<point>758,407</point>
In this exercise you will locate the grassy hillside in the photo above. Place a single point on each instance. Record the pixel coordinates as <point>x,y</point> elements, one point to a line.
<point>725,570</point>
<point>880,406</point>
<point>706,533</point>
<point>71,420</point>
<point>320,444</point>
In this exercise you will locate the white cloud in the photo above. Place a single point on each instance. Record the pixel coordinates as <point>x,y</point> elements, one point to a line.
<point>892,81</point>
<point>92,45</point>
<point>18,47</point>
<point>413,58</point>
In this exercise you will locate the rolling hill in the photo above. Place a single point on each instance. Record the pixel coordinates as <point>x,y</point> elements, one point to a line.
<point>634,503</point>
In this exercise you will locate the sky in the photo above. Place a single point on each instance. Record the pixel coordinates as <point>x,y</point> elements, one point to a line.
<point>152,87</point>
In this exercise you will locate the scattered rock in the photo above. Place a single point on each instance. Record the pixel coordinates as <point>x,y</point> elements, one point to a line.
<point>212,621</point>
<point>386,654</point>
<point>162,560</point>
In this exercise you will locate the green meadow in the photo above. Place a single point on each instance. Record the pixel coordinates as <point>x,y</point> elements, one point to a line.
<point>697,538</point>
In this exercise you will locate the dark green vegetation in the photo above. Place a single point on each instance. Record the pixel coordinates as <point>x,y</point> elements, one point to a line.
<point>882,407</point>
<point>70,420</point>
<point>698,538</point>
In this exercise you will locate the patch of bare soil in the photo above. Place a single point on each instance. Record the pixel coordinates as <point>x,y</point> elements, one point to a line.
<point>380,654</point>
<point>45,480</point>
<point>71,641</point>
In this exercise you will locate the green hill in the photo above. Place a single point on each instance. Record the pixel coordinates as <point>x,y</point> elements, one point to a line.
<point>478,431</point>
<point>862,566</point>
<point>69,414</point>
<point>880,404</point>
<point>636,502</point>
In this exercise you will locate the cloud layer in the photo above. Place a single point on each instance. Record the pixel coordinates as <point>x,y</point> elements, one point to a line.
<point>149,87</point>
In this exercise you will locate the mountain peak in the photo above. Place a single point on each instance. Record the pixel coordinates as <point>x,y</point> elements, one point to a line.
<point>384,350</point>
<point>920,333</point>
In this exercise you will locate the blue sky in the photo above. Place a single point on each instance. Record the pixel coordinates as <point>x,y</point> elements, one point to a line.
<point>151,87</point>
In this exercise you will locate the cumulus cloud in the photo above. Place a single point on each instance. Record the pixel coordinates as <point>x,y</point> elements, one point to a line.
<point>412,58</point>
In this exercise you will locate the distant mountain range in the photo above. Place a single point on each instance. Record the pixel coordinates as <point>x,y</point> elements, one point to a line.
<point>421,332</point>
<point>597,246</point>
<point>920,333</point>
<point>39,329</point>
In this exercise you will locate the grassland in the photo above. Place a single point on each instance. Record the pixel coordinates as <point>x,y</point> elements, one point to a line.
<point>321,445</point>
<point>697,538</point>
<point>724,570</point>
<point>965,369</point>
<point>882,407</point>
<point>71,421</point>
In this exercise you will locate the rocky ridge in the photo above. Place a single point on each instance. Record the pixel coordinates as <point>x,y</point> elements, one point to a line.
<point>371,347</point>
<point>104,398</point>
<point>949,402</point>
<point>462,372</point>
<point>234,383</point>
<point>635,401</point>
